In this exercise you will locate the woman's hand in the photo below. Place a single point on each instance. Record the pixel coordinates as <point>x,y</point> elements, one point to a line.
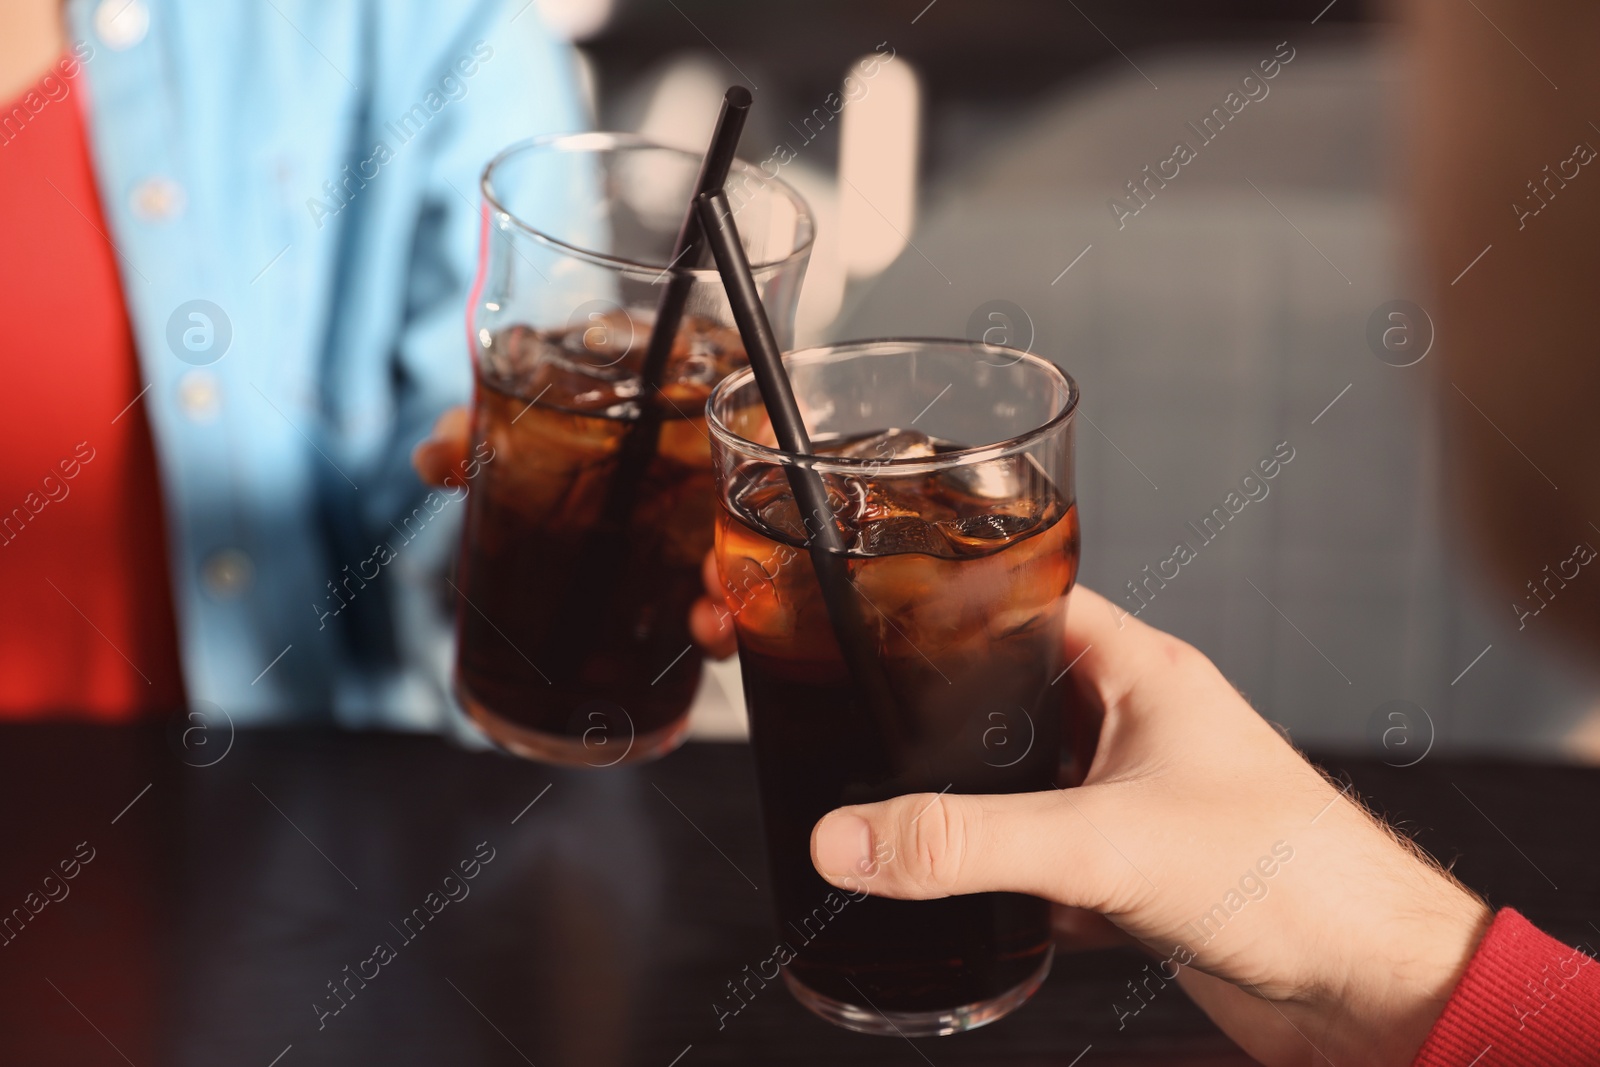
<point>710,623</point>
<point>1304,928</point>
<point>445,449</point>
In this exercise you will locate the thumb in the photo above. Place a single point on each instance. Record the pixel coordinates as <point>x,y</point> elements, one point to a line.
<point>929,845</point>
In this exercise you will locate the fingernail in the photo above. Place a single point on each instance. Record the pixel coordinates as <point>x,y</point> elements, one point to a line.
<point>844,844</point>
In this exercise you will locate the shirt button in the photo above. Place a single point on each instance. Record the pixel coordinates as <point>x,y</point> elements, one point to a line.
<point>121,24</point>
<point>156,199</point>
<point>227,573</point>
<point>199,396</point>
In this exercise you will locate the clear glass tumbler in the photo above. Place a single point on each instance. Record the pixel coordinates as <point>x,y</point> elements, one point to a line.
<point>582,550</point>
<point>948,466</point>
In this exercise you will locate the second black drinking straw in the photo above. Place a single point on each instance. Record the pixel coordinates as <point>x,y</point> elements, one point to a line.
<point>825,543</point>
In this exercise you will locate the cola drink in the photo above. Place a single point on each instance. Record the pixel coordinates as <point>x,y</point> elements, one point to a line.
<point>573,641</point>
<point>960,573</point>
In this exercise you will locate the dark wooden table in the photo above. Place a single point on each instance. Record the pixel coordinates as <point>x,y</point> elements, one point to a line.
<point>222,901</point>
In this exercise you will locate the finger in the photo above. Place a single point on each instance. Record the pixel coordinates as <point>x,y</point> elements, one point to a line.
<point>924,846</point>
<point>712,629</point>
<point>1139,696</point>
<point>433,461</point>
<point>1130,675</point>
<point>710,623</point>
<point>1107,649</point>
<point>711,577</point>
<point>453,423</point>
<point>445,448</point>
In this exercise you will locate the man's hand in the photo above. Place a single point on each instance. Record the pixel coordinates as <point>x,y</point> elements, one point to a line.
<point>1298,922</point>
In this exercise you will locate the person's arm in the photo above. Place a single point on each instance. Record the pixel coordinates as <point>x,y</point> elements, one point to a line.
<point>1307,929</point>
<point>31,38</point>
<point>1502,117</point>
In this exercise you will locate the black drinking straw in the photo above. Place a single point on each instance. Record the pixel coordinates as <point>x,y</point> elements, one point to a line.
<point>595,574</point>
<point>688,252</point>
<point>713,176</point>
<point>826,544</point>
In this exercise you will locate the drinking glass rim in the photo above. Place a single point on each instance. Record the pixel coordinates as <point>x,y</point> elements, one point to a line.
<point>911,465</point>
<point>599,141</point>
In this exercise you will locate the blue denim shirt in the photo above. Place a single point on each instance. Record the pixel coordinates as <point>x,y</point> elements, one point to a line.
<point>291,189</point>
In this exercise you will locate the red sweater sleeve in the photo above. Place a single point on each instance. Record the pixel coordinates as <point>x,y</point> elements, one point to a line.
<point>1526,1000</point>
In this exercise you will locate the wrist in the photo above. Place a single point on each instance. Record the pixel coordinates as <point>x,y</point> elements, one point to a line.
<point>1413,961</point>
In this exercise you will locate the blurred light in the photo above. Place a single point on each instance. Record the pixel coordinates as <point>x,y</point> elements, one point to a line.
<point>822,295</point>
<point>1583,742</point>
<point>683,108</point>
<point>576,20</point>
<point>121,24</point>
<point>588,85</point>
<point>878,141</point>
<point>199,395</point>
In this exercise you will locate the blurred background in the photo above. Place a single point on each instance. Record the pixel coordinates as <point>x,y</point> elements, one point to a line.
<point>1211,319</point>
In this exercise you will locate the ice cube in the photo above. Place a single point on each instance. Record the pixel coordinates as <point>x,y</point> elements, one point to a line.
<point>703,353</point>
<point>862,501</point>
<point>890,444</point>
<point>997,479</point>
<point>701,337</point>
<point>1015,621</point>
<point>977,534</point>
<point>696,369</point>
<point>769,503</point>
<point>887,537</point>
<point>916,602</point>
<point>604,342</point>
<point>513,358</point>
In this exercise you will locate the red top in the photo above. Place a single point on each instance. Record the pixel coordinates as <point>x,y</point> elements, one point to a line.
<point>86,621</point>
<point>1526,1000</point>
